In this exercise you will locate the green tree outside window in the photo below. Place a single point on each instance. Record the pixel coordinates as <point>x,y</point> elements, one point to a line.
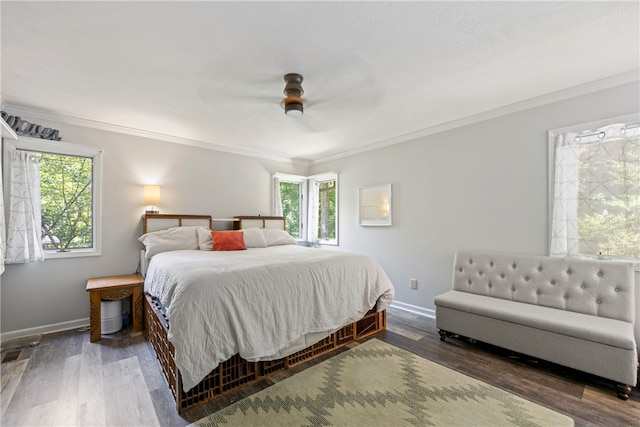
<point>290,195</point>
<point>66,201</point>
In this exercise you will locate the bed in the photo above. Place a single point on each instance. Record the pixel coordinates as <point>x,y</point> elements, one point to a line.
<point>222,319</point>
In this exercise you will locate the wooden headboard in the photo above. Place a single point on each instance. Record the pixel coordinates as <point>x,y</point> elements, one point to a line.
<point>247,221</point>
<point>155,222</point>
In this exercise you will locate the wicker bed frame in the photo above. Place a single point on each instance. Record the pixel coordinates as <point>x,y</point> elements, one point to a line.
<point>236,372</point>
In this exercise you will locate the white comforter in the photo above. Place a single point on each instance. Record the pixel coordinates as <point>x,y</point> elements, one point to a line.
<point>259,301</point>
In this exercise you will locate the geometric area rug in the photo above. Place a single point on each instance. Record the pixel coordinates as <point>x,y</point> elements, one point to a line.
<point>377,384</point>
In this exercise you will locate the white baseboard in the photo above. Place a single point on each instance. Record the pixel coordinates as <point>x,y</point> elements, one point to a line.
<point>420,311</point>
<point>46,329</point>
<point>82,323</point>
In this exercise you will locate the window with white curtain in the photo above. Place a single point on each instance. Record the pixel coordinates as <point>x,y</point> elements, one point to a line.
<point>53,201</point>
<point>596,191</point>
<point>309,205</point>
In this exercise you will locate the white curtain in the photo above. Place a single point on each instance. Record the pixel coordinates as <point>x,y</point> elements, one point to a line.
<point>312,231</point>
<point>564,228</point>
<point>597,193</point>
<point>3,234</point>
<point>277,197</point>
<point>24,233</point>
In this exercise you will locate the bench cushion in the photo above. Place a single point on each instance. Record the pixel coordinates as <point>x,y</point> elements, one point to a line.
<point>603,330</point>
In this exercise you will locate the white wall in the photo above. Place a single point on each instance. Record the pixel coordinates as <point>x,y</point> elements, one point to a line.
<point>478,187</point>
<point>52,294</point>
<point>482,186</point>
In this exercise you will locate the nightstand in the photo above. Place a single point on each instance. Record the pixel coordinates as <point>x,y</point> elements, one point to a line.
<point>113,288</point>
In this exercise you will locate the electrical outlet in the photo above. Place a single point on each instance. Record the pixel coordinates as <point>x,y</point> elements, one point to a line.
<point>413,283</point>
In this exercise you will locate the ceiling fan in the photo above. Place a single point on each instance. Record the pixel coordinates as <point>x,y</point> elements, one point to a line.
<point>335,101</point>
<point>293,103</point>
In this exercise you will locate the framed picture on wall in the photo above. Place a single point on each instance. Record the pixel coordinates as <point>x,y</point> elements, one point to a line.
<point>374,205</point>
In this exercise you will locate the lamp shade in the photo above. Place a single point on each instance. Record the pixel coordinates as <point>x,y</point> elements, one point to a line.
<point>152,195</point>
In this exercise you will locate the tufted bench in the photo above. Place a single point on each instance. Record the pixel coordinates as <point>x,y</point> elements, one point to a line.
<point>574,312</point>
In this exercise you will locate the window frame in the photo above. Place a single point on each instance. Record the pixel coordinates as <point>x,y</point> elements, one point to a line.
<point>319,178</point>
<point>302,182</point>
<point>65,149</point>
<point>552,137</point>
<point>306,234</point>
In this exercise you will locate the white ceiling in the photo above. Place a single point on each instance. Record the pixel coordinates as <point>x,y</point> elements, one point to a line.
<point>211,73</point>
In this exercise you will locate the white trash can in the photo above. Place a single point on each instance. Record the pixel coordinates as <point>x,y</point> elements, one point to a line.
<point>110,316</point>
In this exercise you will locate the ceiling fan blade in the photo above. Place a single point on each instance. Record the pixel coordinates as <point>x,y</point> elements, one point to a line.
<point>210,95</point>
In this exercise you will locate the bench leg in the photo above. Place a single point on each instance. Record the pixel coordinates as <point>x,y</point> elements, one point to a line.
<point>444,334</point>
<point>623,391</point>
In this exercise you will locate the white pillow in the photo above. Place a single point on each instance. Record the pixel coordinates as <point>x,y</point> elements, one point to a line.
<point>171,239</point>
<point>254,238</point>
<point>275,237</point>
<point>205,241</point>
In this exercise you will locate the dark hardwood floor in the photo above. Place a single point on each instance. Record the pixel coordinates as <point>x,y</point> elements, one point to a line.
<point>65,380</point>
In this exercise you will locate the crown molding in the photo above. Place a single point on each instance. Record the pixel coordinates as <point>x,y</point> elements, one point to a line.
<point>587,88</point>
<point>6,131</point>
<point>620,79</point>
<point>34,113</point>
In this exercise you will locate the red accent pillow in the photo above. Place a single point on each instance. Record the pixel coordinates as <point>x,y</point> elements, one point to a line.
<point>228,241</point>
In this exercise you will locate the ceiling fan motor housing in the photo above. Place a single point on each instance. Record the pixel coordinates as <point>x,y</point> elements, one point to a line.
<point>293,91</point>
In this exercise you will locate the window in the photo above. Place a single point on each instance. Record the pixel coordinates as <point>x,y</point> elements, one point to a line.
<point>291,195</point>
<point>324,214</point>
<point>69,178</point>
<point>313,218</point>
<point>596,192</point>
